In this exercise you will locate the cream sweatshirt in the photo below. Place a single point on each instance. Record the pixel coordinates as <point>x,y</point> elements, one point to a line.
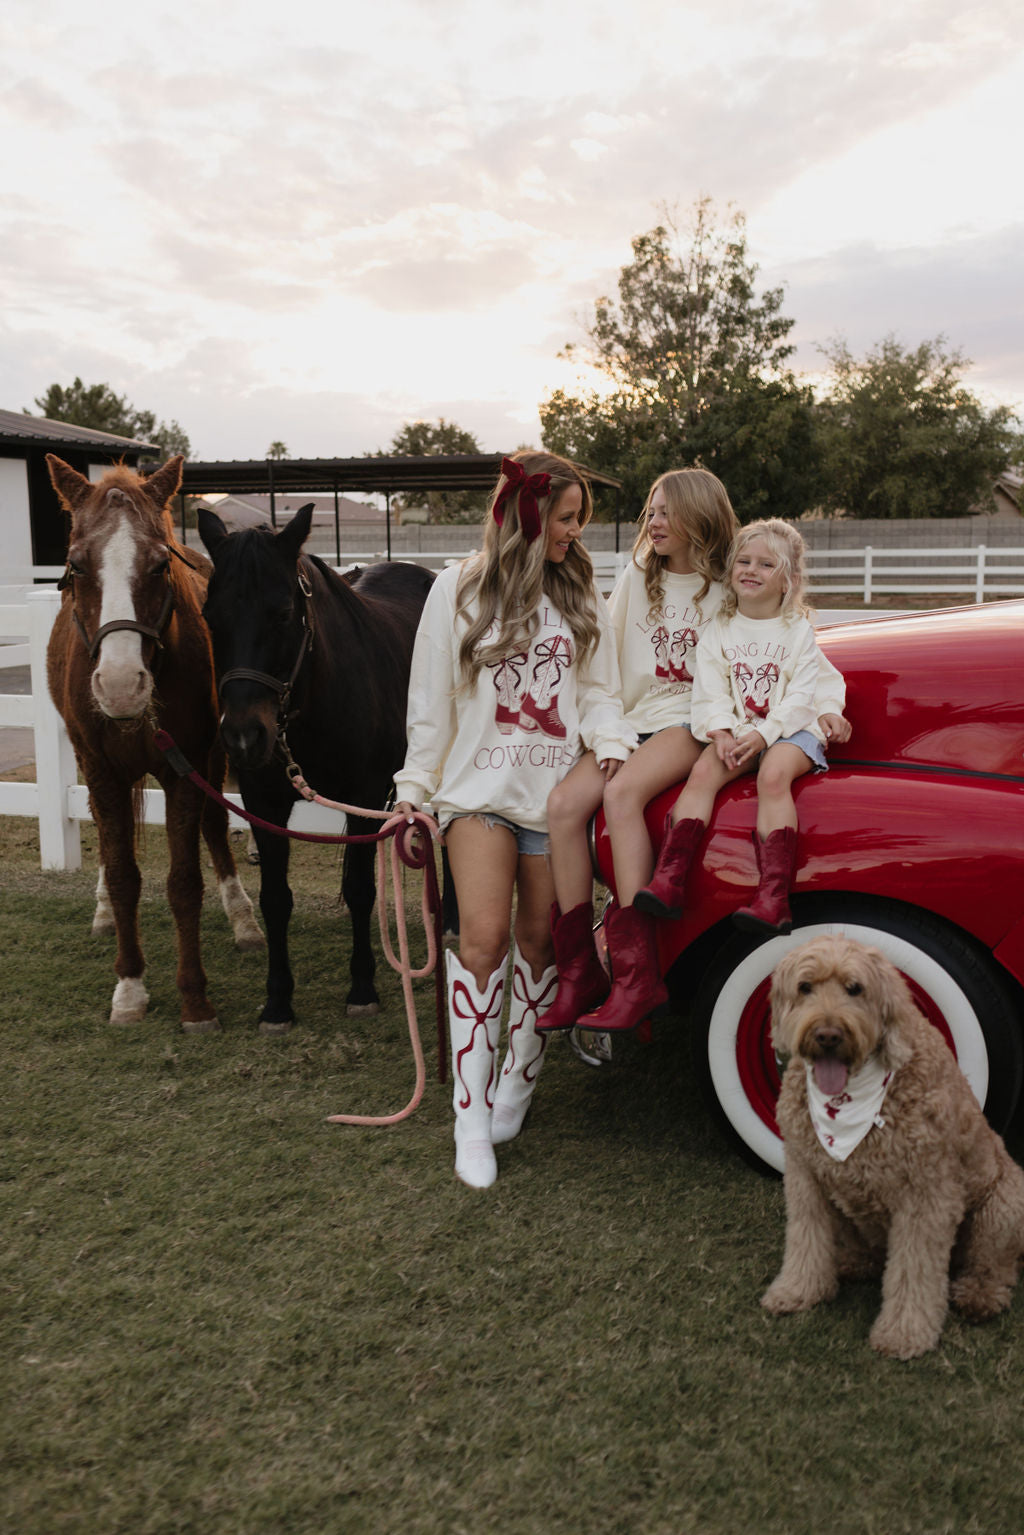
<point>656,649</point>
<point>501,745</point>
<point>763,674</point>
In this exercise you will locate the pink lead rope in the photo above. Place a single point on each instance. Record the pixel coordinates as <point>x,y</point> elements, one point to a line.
<point>407,850</point>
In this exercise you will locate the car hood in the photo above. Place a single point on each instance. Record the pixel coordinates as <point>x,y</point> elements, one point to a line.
<point>941,689</point>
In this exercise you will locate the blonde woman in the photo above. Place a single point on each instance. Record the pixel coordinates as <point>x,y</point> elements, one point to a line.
<point>755,701</point>
<point>670,590</point>
<point>514,675</point>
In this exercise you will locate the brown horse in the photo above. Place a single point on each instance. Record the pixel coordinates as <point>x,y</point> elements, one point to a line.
<point>129,654</point>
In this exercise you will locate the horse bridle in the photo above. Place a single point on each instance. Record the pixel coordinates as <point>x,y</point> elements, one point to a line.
<point>153,632</point>
<point>282,689</point>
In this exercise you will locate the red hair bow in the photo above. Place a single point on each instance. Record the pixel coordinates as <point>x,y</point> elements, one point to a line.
<point>527,487</point>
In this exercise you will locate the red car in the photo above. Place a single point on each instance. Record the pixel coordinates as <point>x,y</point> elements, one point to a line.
<point>913,842</point>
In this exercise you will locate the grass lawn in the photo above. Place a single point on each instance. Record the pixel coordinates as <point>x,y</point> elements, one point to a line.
<point>221,1314</point>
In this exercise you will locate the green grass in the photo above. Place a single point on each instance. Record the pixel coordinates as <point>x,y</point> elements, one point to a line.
<point>222,1314</point>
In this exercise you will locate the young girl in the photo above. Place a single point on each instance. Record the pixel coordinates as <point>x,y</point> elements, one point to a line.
<point>666,595</point>
<point>514,673</point>
<point>755,700</point>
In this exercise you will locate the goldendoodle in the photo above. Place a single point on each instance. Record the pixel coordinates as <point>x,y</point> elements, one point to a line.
<point>891,1167</point>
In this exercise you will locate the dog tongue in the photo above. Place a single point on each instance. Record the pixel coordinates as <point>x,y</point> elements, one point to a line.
<point>830,1076</point>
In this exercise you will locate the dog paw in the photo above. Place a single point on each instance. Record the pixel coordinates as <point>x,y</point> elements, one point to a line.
<point>783,1300</point>
<point>903,1341</point>
<point>979,1298</point>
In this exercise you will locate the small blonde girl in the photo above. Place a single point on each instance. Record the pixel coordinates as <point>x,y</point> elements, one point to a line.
<point>756,684</point>
<point>670,590</point>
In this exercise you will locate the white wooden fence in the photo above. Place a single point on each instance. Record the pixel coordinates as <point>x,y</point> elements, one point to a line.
<point>56,800</point>
<point>60,803</point>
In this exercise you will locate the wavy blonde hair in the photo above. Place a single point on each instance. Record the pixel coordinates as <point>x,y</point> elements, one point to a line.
<point>510,575</point>
<point>788,547</point>
<point>698,509</point>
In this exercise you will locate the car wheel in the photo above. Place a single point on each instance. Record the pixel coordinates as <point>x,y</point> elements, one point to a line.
<point>957,988</point>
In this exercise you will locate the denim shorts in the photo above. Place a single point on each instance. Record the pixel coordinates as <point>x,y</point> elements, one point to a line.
<point>527,841</point>
<point>652,733</point>
<point>809,745</point>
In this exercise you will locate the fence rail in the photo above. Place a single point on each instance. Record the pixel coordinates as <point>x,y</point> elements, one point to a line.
<point>60,804</point>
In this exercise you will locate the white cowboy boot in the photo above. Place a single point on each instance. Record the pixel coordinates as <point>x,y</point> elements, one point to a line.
<point>530,999</point>
<point>474,1018</point>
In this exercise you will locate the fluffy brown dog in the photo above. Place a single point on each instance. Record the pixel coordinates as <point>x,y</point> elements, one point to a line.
<point>926,1188</point>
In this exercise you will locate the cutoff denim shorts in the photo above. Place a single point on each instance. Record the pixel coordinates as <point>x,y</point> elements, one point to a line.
<point>527,841</point>
<point>809,745</point>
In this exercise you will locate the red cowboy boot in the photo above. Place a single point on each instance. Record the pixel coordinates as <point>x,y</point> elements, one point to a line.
<point>508,684</point>
<point>769,911</point>
<point>637,987</point>
<point>518,1076</point>
<point>582,980</point>
<point>663,897</point>
<point>539,708</point>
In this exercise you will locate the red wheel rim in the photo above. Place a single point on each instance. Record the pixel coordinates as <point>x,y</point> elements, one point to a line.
<point>755,1058</point>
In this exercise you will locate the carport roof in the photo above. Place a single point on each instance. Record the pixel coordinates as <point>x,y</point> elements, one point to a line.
<point>383,475</point>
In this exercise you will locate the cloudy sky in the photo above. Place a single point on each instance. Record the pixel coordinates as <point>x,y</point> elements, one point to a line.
<point>315,222</point>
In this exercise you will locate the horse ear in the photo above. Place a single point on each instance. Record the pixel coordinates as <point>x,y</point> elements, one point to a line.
<point>71,486</point>
<point>163,482</point>
<point>294,534</point>
<point>211,530</point>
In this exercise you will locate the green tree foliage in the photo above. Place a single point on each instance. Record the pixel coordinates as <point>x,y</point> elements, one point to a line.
<point>98,407</point>
<point>903,436</point>
<point>277,450</point>
<point>695,363</point>
<point>428,439</point>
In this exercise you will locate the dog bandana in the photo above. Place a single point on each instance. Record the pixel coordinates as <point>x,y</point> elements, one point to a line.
<point>843,1120</point>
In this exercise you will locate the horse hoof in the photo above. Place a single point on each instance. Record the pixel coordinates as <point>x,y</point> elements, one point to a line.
<point>200,1026</point>
<point>362,1009</point>
<point>129,1002</point>
<point>249,942</point>
<point>271,1030</point>
<point>102,925</point>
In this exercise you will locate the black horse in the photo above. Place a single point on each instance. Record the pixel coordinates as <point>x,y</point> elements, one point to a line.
<point>319,663</point>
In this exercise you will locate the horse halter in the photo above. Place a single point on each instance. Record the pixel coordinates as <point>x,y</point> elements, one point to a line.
<point>282,689</point>
<point>153,632</point>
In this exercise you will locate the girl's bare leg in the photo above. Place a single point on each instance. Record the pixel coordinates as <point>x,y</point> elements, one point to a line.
<point>781,765</point>
<point>663,760</point>
<point>570,807</point>
<point>707,777</point>
<point>484,862</point>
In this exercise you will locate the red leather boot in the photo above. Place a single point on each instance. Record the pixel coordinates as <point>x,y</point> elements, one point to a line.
<point>663,897</point>
<point>769,911</point>
<point>637,987</point>
<point>582,982</point>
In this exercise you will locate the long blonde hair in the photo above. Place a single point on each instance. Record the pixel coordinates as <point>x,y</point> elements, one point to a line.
<point>510,575</point>
<point>788,547</point>
<point>698,508</point>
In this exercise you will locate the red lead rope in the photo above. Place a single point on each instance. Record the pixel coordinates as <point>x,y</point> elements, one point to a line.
<point>411,847</point>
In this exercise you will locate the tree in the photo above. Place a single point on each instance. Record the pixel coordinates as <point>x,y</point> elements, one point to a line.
<point>902,435</point>
<point>98,407</point>
<point>424,439</point>
<point>277,450</point>
<point>696,367</point>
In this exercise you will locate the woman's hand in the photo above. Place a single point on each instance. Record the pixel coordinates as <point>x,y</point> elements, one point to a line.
<point>609,767</point>
<point>404,808</point>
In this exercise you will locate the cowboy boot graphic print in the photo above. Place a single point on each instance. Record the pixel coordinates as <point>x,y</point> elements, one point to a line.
<point>539,709</point>
<point>683,641</point>
<point>508,684</point>
<point>659,639</point>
